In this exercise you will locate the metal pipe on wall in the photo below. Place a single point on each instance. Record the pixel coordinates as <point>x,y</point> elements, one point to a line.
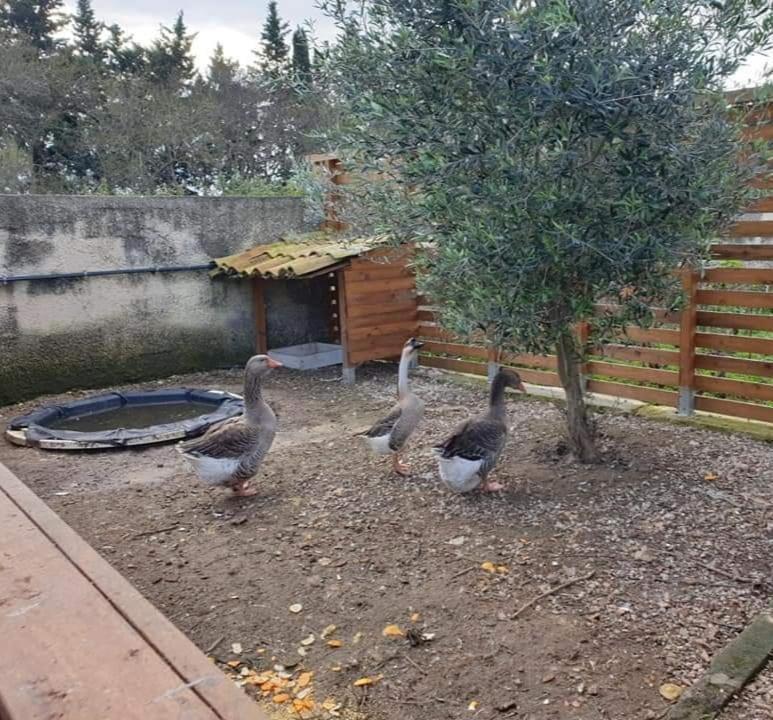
<point>5,279</point>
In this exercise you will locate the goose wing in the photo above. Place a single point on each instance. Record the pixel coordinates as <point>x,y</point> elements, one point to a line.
<point>229,439</point>
<point>481,439</point>
<point>385,425</point>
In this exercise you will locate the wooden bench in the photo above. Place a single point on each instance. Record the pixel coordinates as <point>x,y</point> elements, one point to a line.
<point>78,642</point>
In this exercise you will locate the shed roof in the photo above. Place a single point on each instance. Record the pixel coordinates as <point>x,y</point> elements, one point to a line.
<point>296,256</point>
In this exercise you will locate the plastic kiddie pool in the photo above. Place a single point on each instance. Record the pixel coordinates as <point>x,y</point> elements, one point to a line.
<point>119,420</point>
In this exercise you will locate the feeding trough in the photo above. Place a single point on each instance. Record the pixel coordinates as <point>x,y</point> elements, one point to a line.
<point>118,420</point>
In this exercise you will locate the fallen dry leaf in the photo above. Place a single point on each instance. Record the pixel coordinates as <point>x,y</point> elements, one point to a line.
<point>236,648</point>
<point>304,679</point>
<point>488,566</point>
<point>392,631</point>
<point>296,608</point>
<point>334,643</point>
<point>357,637</point>
<point>281,698</point>
<point>234,663</point>
<point>710,477</point>
<point>308,640</point>
<point>473,705</point>
<point>670,691</point>
<point>303,705</point>
<point>364,681</point>
<point>415,617</point>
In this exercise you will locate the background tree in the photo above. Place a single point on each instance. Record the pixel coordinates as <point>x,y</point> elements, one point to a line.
<point>554,154</point>
<point>274,51</point>
<point>170,60</point>
<point>301,58</point>
<point>123,56</point>
<point>222,71</point>
<point>87,31</point>
<point>36,20</point>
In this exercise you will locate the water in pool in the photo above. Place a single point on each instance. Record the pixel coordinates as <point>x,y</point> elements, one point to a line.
<point>133,416</point>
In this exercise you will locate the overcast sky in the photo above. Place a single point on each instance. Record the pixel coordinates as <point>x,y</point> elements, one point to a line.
<point>237,25</point>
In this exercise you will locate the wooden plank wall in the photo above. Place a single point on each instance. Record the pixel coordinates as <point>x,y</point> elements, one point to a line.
<point>381,305</point>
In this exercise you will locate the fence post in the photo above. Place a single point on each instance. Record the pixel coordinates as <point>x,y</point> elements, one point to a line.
<point>493,363</point>
<point>583,335</point>
<point>687,324</point>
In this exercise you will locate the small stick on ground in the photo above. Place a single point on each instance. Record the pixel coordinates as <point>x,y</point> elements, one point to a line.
<point>535,600</point>
<point>724,573</point>
<point>463,572</point>
<point>157,531</point>
<point>214,645</point>
<point>415,664</point>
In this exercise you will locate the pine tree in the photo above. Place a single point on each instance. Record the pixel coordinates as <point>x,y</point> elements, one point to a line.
<point>170,60</point>
<point>87,32</point>
<point>123,57</point>
<point>35,20</point>
<point>222,70</point>
<point>275,50</point>
<point>301,57</point>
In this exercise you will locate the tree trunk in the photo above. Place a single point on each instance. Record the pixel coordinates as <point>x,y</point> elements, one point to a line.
<point>580,433</point>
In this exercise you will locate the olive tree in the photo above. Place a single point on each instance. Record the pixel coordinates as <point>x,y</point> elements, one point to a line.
<point>551,154</point>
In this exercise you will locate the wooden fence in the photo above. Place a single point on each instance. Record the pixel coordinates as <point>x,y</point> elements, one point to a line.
<point>716,355</point>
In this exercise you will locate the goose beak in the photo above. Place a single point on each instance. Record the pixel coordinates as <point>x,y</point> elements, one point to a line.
<point>417,344</point>
<point>273,363</point>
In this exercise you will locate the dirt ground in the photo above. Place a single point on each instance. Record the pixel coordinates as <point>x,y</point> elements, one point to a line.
<point>676,527</point>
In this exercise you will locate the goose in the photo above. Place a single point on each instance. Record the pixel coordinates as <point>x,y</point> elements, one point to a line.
<point>230,453</point>
<point>389,435</point>
<point>467,457</point>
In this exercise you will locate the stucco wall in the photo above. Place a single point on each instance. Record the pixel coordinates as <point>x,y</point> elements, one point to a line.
<point>89,332</point>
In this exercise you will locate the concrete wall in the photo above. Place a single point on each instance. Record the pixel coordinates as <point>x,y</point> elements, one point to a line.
<point>90,332</point>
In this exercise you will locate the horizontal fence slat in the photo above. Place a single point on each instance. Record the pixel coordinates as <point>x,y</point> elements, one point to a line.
<point>457,349</point>
<point>427,315</point>
<point>758,132</point>
<point>634,392</point>
<point>739,276</point>
<point>734,298</point>
<point>547,362</point>
<point>735,321</point>
<point>734,343</point>
<point>761,205</point>
<point>652,335</point>
<point>632,372</point>
<point>660,314</point>
<point>637,354</point>
<point>538,377</point>
<point>364,310</point>
<point>722,363</point>
<point>741,388</point>
<point>463,366</point>
<point>748,411</point>
<point>434,331</point>
<point>751,228</point>
<point>736,251</point>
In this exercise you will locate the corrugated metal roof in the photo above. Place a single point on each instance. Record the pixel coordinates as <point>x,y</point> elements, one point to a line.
<point>295,257</point>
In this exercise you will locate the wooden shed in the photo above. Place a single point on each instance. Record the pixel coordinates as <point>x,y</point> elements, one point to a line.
<point>369,291</point>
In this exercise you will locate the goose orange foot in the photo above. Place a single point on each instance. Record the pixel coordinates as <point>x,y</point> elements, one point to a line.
<point>492,486</point>
<point>399,466</point>
<point>244,489</point>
